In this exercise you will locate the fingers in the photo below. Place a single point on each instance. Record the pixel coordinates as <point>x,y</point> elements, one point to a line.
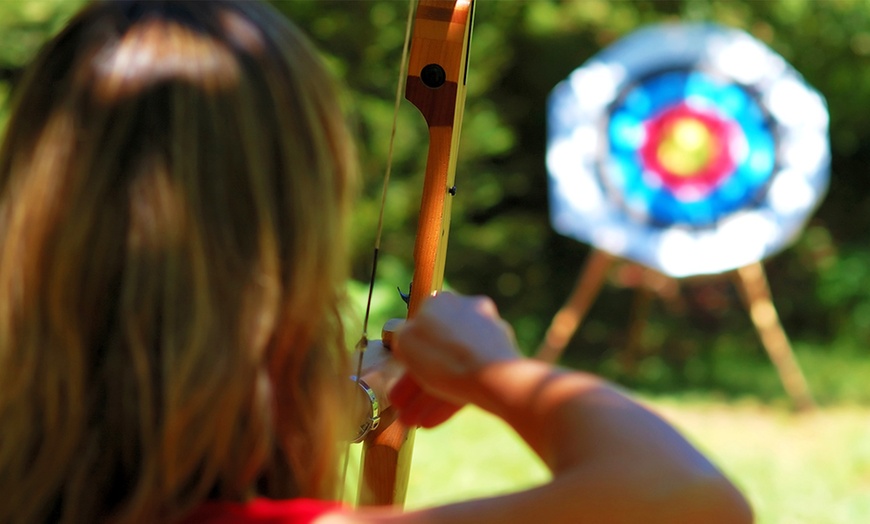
<point>404,392</point>
<point>444,348</point>
<point>439,413</point>
<point>418,408</point>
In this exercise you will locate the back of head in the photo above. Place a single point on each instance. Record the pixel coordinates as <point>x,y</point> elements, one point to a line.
<point>174,183</point>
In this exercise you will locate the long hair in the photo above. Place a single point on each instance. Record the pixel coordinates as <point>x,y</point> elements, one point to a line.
<point>174,185</point>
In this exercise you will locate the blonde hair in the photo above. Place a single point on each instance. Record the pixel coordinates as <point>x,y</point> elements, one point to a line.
<point>174,185</point>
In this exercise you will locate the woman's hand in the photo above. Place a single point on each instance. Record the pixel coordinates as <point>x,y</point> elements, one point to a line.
<point>380,370</point>
<point>444,348</point>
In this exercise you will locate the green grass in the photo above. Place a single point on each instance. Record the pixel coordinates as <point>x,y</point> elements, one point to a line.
<point>796,469</point>
<point>811,468</point>
<point>473,455</point>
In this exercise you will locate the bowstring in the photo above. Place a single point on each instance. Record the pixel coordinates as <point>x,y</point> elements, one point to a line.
<point>362,344</point>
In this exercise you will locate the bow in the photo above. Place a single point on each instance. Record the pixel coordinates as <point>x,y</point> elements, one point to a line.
<point>435,84</point>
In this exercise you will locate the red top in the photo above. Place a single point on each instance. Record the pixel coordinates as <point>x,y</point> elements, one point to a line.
<point>261,511</point>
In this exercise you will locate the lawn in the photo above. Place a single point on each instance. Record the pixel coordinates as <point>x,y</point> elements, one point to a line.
<point>796,469</point>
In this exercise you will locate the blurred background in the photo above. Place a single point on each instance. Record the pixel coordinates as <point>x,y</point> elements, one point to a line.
<point>698,352</point>
<point>501,242</point>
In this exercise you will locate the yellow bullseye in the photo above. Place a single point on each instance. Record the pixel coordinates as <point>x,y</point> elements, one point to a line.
<point>686,147</point>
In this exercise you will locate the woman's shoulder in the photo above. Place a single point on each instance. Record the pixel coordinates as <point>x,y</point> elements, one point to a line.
<point>262,511</point>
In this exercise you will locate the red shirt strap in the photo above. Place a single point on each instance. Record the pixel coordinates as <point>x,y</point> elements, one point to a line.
<point>261,511</point>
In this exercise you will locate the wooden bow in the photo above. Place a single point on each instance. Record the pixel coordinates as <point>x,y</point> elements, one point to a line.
<point>436,86</point>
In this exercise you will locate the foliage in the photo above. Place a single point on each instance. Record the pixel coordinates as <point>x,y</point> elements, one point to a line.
<point>24,26</point>
<point>501,241</point>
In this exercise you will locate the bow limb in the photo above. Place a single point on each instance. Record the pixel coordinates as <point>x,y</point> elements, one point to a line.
<point>436,86</point>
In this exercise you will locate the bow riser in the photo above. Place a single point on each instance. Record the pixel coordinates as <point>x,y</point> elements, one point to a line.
<point>441,39</point>
<point>436,86</point>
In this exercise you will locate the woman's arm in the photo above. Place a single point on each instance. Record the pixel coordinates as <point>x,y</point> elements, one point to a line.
<point>612,460</point>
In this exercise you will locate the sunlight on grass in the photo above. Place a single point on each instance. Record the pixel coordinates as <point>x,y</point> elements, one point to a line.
<point>812,468</point>
<point>473,455</point>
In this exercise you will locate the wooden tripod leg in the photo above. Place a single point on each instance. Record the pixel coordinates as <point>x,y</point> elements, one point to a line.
<point>756,292</point>
<point>638,318</point>
<point>565,322</point>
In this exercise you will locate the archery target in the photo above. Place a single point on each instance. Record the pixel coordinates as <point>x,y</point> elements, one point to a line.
<point>692,149</point>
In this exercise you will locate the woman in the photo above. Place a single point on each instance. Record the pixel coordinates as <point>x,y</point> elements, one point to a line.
<point>174,189</point>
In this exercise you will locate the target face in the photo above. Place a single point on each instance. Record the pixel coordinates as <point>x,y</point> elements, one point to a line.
<point>692,149</point>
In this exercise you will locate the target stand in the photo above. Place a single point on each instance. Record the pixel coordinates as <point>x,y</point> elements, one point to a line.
<point>751,283</point>
<point>687,150</point>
